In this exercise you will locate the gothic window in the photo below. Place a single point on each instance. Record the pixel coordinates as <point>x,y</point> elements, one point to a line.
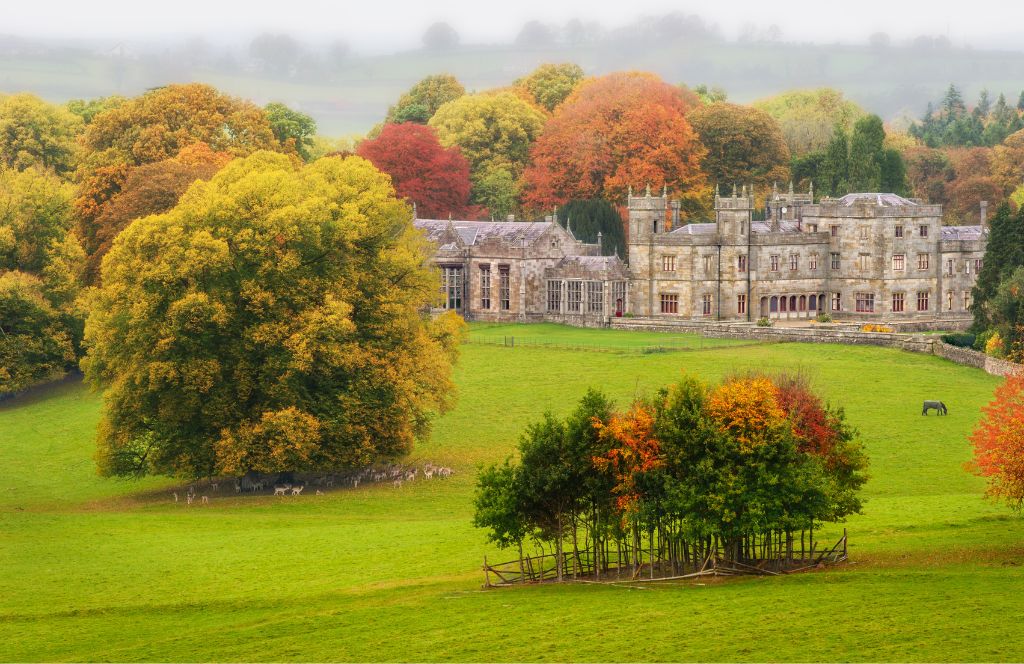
<point>794,261</point>
<point>705,305</point>
<point>773,263</point>
<point>741,304</point>
<point>668,263</point>
<point>865,302</point>
<point>619,295</point>
<point>741,263</point>
<point>897,302</point>
<point>595,297</point>
<point>669,303</point>
<point>949,267</point>
<point>922,261</point>
<point>835,260</point>
<point>554,295</point>
<point>837,301</point>
<point>898,262</point>
<point>812,303</point>
<point>485,286</point>
<point>899,231</point>
<point>452,286</point>
<point>922,300</point>
<point>574,297</point>
<point>504,288</point>
<point>813,262</point>
<point>924,231</point>
<point>774,304</point>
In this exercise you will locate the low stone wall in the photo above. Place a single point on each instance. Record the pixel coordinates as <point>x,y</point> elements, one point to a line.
<point>824,334</point>
<point>973,358</point>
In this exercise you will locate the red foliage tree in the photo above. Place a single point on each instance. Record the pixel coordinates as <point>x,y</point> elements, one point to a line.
<point>423,172</point>
<point>999,443</point>
<point>615,131</point>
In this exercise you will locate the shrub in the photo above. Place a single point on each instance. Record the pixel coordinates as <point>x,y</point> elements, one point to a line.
<point>764,321</point>
<point>982,339</point>
<point>959,339</point>
<point>875,327</point>
<point>824,318</point>
<point>995,346</point>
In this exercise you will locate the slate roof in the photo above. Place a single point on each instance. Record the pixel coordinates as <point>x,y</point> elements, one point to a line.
<point>879,199</point>
<point>474,232</point>
<point>694,229</point>
<point>961,232</point>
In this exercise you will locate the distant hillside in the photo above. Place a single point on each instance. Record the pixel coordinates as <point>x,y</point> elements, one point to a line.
<point>350,97</point>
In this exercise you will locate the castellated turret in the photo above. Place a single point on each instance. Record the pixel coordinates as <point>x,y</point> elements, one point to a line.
<point>647,215</point>
<point>734,213</point>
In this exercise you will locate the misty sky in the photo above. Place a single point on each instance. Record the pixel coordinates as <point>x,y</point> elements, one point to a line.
<point>381,26</point>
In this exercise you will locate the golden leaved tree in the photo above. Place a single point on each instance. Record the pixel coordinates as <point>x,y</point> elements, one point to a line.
<point>272,321</point>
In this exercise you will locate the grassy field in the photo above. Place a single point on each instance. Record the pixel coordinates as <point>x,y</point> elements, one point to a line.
<point>95,569</point>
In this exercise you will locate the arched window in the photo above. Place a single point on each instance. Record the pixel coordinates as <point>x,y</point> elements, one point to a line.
<point>775,304</point>
<point>764,306</point>
<point>813,303</point>
<point>803,303</point>
<point>782,304</point>
<point>792,302</point>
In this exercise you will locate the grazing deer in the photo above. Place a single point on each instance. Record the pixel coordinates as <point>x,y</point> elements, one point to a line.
<point>429,474</point>
<point>319,492</point>
<point>238,487</point>
<point>281,489</point>
<point>206,501</point>
<point>215,486</point>
<point>355,483</point>
<point>175,496</point>
<point>296,490</point>
<point>398,484</point>
<point>189,498</point>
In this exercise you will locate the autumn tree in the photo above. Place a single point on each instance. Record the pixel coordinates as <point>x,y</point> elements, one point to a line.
<point>549,84</point>
<point>436,179</point>
<point>614,132</point>
<point>272,321</point>
<point>494,132</point>
<point>292,129</point>
<point>1008,161</point>
<point>159,123</point>
<point>808,117</point>
<point>34,133</point>
<point>1004,254</point>
<point>422,100</point>
<point>744,144</point>
<point>150,189</point>
<point>998,441</point>
<point>87,109</point>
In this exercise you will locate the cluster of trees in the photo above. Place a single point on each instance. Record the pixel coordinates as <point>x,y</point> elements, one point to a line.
<point>952,125</point>
<point>694,464</point>
<point>999,446</point>
<point>998,295</point>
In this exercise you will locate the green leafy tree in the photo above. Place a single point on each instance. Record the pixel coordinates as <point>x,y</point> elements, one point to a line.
<point>834,174</point>
<point>35,343</point>
<point>291,128</point>
<point>272,321</point>
<point>87,109</point>
<point>423,99</point>
<point>34,133</point>
<point>549,84</point>
<point>808,117</point>
<point>497,190</point>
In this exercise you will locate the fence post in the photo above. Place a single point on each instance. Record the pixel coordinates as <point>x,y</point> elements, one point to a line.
<point>487,574</point>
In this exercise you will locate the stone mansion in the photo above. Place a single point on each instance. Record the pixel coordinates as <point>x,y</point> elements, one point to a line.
<point>872,257</point>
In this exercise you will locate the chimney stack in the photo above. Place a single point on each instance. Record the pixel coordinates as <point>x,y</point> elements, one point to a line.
<point>984,215</point>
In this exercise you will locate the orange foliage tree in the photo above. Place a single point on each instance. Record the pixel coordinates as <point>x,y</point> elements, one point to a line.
<point>999,443</point>
<point>614,132</point>
<point>747,409</point>
<point>634,450</point>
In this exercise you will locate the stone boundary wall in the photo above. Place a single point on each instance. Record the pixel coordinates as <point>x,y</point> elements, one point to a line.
<point>973,358</point>
<point>929,345</point>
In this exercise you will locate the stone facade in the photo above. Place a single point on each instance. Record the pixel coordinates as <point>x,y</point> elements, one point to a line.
<point>861,257</point>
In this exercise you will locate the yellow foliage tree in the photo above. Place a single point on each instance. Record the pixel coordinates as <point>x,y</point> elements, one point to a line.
<point>272,321</point>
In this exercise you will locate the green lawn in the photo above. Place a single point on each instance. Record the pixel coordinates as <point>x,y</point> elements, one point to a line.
<point>95,569</point>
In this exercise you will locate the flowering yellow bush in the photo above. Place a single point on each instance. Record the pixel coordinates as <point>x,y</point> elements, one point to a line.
<point>874,327</point>
<point>995,346</point>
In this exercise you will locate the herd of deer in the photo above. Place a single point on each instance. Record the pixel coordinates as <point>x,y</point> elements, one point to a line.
<point>394,473</point>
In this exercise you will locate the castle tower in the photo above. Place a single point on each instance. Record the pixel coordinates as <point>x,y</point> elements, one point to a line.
<point>646,216</point>
<point>733,213</point>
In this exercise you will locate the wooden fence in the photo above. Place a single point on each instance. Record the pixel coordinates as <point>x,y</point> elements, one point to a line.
<point>626,564</point>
